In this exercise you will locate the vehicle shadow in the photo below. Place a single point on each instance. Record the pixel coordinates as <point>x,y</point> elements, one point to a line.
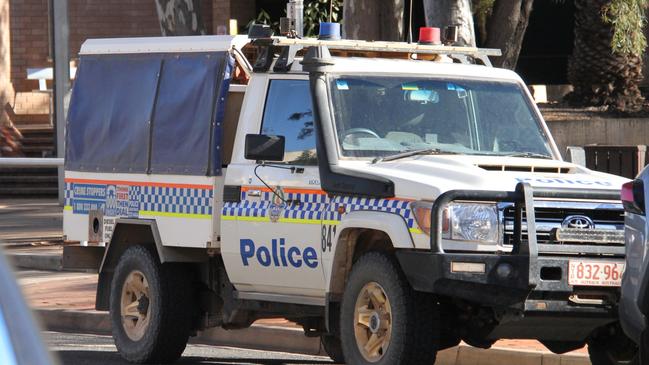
<point>89,357</point>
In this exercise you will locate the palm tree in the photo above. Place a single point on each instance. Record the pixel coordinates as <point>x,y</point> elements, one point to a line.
<point>606,65</point>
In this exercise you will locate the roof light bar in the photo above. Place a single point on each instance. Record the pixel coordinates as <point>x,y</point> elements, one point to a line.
<point>356,45</point>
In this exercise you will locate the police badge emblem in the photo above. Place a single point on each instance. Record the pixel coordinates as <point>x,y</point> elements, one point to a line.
<point>276,205</point>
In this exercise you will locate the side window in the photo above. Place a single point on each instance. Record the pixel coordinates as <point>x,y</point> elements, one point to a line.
<point>289,113</point>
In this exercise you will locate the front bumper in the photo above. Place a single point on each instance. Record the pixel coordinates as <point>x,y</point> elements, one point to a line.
<point>505,282</point>
<point>531,278</point>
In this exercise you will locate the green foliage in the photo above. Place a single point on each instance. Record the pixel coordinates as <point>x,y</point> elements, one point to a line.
<point>483,7</point>
<point>628,20</point>
<point>315,11</point>
<point>264,18</point>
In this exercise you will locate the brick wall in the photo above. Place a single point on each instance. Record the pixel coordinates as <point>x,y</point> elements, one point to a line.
<point>224,10</point>
<point>29,34</point>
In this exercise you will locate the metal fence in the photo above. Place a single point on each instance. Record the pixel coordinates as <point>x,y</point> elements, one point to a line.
<point>28,162</point>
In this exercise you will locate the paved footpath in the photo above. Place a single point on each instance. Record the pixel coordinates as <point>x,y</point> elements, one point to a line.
<point>30,220</point>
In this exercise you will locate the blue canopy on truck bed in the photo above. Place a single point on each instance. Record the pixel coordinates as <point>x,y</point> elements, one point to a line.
<point>156,113</point>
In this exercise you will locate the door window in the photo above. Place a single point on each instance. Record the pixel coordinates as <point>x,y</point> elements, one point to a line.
<point>289,113</point>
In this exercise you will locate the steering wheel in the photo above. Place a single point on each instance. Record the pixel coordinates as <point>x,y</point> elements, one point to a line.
<point>349,132</point>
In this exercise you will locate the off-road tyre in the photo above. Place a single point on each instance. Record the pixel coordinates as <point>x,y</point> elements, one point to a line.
<point>613,349</point>
<point>170,320</point>
<point>414,316</point>
<point>333,347</point>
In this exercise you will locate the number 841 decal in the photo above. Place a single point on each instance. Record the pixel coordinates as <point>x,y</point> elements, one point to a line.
<point>327,236</point>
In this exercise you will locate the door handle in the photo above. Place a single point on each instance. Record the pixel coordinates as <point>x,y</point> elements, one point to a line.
<point>255,193</point>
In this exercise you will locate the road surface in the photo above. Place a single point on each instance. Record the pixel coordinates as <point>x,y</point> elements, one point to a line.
<point>78,349</point>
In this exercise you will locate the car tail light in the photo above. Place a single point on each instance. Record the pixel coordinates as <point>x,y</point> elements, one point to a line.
<point>633,197</point>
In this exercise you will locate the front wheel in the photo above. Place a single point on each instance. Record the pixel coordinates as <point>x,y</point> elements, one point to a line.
<point>332,346</point>
<point>611,346</point>
<point>150,308</point>
<point>383,321</point>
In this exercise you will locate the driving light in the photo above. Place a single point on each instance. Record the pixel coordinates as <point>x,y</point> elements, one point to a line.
<point>474,222</point>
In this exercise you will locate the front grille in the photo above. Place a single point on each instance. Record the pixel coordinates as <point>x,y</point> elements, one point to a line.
<point>548,219</point>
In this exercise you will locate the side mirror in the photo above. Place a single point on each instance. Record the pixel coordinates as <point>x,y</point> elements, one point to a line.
<point>260,147</point>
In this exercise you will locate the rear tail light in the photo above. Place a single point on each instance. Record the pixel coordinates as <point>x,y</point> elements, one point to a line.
<point>633,197</point>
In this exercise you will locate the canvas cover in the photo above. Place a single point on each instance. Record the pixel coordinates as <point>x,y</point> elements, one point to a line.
<point>148,113</point>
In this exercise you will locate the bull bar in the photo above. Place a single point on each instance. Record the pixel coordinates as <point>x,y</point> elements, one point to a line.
<point>431,271</point>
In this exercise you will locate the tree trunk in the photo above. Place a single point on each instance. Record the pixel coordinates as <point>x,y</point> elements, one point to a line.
<point>599,76</point>
<point>373,20</point>
<point>442,13</point>
<point>506,30</point>
<point>180,17</point>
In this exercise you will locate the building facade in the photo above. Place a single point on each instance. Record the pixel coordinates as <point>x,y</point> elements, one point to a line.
<point>25,40</point>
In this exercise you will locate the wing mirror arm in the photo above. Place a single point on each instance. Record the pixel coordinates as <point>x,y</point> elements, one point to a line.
<point>264,148</point>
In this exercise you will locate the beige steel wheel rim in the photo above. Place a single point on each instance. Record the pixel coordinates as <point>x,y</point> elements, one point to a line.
<point>135,305</point>
<point>372,322</point>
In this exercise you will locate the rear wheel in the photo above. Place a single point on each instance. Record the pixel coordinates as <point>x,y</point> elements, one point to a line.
<point>383,321</point>
<point>611,346</point>
<point>150,308</point>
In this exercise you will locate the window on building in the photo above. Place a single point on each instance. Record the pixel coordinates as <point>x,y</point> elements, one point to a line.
<point>289,113</point>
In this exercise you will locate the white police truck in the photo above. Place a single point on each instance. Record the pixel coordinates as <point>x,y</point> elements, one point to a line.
<point>392,199</point>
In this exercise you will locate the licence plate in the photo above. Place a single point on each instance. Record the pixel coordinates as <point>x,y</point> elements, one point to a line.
<point>595,273</point>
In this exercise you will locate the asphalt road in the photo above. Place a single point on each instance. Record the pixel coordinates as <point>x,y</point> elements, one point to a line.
<point>78,349</point>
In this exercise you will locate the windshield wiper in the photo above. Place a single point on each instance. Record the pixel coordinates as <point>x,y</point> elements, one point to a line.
<point>423,151</point>
<point>529,155</point>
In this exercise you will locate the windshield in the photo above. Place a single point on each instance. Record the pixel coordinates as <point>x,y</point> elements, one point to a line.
<point>383,116</point>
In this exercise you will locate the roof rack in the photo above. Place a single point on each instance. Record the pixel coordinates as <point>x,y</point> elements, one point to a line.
<point>290,46</point>
<point>354,45</point>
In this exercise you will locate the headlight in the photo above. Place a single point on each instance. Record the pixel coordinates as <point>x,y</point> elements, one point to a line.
<point>474,222</point>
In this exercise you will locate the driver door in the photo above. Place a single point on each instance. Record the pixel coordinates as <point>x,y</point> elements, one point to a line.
<point>277,246</point>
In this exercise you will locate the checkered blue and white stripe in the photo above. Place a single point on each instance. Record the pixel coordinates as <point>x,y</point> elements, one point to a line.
<point>318,207</point>
<point>176,200</point>
<point>68,194</point>
<point>162,199</point>
<point>351,204</point>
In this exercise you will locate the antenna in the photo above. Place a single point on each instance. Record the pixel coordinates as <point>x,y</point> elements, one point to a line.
<point>331,11</point>
<point>410,24</point>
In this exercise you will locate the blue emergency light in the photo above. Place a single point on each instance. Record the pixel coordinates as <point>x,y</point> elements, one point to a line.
<point>329,31</point>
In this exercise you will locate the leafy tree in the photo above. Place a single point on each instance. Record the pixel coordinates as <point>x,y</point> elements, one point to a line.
<point>506,30</point>
<point>315,12</point>
<point>444,13</point>
<point>606,65</point>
